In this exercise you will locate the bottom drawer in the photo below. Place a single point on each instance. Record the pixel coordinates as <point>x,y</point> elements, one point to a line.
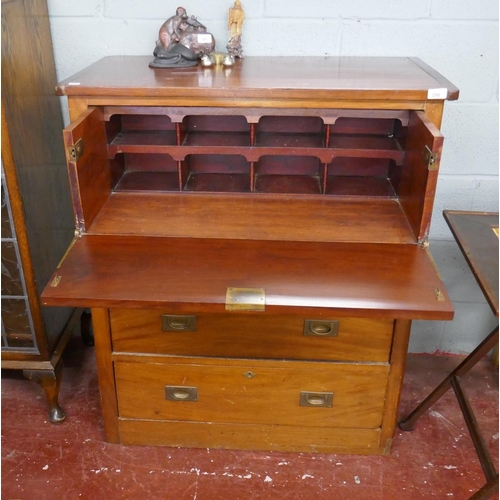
<point>312,394</point>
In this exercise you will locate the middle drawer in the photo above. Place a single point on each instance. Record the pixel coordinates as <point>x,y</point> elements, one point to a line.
<point>251,336</point>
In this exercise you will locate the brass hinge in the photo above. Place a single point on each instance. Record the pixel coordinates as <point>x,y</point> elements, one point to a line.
<point>67,251</point>
<point>433,262</point>
<point>76,151</point>
<point>430,158</point>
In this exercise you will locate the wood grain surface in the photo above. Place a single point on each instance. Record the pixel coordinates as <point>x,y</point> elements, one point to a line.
<point>385,78</point>
<point>477,236</point>
<point>377,280</point>
<point>256,217</point>
<point>299,438</point>
<point>271,396</point>
<point>247,336</point>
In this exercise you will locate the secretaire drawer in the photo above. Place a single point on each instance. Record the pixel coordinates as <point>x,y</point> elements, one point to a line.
<point>251,336</point>
<point>258,392</point>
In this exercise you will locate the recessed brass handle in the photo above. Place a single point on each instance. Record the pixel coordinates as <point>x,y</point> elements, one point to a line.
<point>321,328</point>
<point>178,323</point>
<point>181,393</point>
<point>318,399</point>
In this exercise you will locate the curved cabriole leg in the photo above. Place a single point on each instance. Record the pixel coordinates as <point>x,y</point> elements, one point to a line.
<point>50,381</point>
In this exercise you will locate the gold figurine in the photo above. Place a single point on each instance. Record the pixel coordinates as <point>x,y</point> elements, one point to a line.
<point>235,19</point>
<point>234,24</point>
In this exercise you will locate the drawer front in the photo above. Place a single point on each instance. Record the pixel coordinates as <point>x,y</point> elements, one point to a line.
<point>254,392</point>
<point>251,336</point>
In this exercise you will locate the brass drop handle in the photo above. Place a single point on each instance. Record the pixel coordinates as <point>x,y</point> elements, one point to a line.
<point>178,323</point>
<point>318,399</point>
<point>181,393</point>
<point>321,328</point>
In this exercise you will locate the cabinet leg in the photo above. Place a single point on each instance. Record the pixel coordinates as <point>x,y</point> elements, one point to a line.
<point>494,356</point>
<point>50,381</point>
<point>86,329</point>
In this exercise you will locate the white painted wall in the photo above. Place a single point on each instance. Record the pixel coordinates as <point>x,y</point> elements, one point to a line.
<point>459,38</point>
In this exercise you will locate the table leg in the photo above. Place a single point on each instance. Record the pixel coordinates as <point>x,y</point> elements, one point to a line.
<point>488,343</point>
<point>470,419</point>
<point>489,489</point>
<point>453,380</point>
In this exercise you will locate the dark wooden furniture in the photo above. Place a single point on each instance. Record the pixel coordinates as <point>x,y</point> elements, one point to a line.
<point>253,244</point>
<point>37,222</point>
<point>477,236</point>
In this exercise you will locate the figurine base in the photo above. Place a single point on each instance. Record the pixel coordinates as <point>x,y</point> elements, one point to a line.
<point>177,56</point>
<point>171,63</point>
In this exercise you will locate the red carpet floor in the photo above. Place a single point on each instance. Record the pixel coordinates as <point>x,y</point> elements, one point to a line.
<point>72,461</point>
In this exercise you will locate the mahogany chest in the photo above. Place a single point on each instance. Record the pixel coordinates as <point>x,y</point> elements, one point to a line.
<point>253,244</point>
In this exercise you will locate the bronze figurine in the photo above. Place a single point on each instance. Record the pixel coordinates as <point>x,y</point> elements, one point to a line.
<point>181,41</point>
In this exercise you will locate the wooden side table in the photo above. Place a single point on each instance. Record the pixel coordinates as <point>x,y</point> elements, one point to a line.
<point>477,236</point>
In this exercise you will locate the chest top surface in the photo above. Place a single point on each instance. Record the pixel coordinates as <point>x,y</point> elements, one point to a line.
<point>284,77</point>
